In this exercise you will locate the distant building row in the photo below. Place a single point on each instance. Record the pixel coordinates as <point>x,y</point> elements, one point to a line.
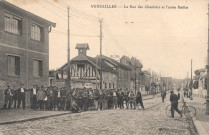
<point>124,73</point>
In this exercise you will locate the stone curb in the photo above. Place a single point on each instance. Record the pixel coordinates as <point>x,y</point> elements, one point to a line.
<point>33,119</point>
<point>198,126</point>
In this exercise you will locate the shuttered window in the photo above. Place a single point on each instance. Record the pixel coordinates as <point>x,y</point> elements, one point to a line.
<point>37,33</point>
<point>13,24</point>
<point>37,68</point>
<point>13,65</point>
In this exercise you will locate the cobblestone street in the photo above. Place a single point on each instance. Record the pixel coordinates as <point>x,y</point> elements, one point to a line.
<point>151,121</point>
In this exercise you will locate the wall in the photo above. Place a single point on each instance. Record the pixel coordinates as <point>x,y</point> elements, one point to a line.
<point>18,44</point>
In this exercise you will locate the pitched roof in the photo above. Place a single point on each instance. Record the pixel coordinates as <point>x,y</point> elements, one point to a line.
<point>82,46</point>
<point>134,62</point>
<point>93,61</point>
<point>115,63</point>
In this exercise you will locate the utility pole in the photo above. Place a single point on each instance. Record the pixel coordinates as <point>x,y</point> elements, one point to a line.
<point>68,82</point>
<point>100,21</point>
<point>191,83</point>
<point>187,82</point>
<point>207,97</point>
<point>135,74</point>
<point>96,73</point>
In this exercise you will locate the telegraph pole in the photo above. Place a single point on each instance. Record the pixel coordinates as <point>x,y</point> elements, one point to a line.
<point>207,97</point>
<point>191,83</point>
<point>135,74</point>
<point>100,21</point>
<point>68,83</point>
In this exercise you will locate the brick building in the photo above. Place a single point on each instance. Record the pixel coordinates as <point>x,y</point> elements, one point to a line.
<point>24,46</point>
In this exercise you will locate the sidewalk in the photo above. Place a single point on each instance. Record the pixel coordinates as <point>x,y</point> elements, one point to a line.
<point>201,120</point>
<point>14,116</point>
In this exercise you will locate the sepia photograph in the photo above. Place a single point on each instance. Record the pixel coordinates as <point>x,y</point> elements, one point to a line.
<point>104,67</point>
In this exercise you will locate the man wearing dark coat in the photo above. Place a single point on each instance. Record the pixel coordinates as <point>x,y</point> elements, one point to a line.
<point>50,97</point>
<point>68,99</point>
<point>85,96</point>
<point>8,93</point>
<point>33,97</point>
<point>163,95</point>
<point>174,103</point>
<point>139,99</point>
<point>21,96</point>
<point>63,98</point>
<point>15,99</point>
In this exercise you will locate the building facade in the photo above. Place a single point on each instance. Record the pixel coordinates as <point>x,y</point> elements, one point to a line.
<point>24,46</point>
<point>136,74</point>
<point>85,71</point>
<point>123,73</point>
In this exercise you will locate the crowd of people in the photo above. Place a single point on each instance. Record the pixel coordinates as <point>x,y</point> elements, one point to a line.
<point>75,100</point>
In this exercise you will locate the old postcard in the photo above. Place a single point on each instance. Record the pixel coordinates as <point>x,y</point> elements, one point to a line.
<point>117,67</point>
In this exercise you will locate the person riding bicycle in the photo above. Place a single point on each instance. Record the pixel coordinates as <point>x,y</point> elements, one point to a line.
<point>174,103</point>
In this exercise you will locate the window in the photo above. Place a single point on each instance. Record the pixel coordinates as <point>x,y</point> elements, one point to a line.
<point>105,85</point>
<point>80,70</point>
<point>37,33</point>
<point>113,85</point>
<point>110,85</point>
<point>13,24</point>
<point>37,68</point>
<point>13,65</point>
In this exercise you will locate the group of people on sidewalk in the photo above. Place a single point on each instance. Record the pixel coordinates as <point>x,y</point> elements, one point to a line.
<point>54,98</point>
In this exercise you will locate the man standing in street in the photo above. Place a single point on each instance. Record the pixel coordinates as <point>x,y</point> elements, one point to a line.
<point>33,97</point>
<point>21,97</point>
<point>8,97</point>
<point>15,96</point>
<point>174,103</point>
<point>131,98</point>
<point>163,95</point>
<point>139,99</point>
<point>41,94</point>
<point>115,100</point>
<point>68,99</point>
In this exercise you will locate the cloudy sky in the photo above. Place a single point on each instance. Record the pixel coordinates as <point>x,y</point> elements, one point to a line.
<point>164,40</point>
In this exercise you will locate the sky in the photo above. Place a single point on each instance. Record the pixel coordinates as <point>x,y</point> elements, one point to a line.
<point>164,40</point>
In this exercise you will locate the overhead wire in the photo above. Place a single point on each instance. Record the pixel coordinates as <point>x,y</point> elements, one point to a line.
<point>60,32</point>
<point>74,22</point>
<point>113,39</point>
<point>78,11</point>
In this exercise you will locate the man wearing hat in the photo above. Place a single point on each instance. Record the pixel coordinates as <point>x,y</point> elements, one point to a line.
<point>33,97</point>
<point>21,97</point>
<point>174,103</point>
<point>8,97</point>
<point>15,96</point>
